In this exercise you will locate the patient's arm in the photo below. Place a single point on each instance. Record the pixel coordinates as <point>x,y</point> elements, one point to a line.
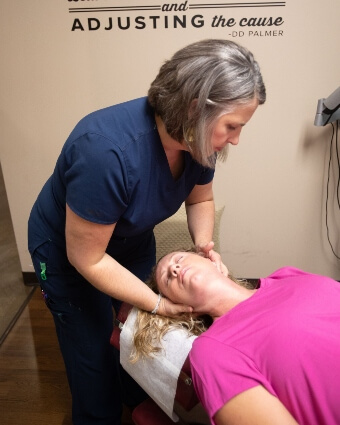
<point>254,407</point>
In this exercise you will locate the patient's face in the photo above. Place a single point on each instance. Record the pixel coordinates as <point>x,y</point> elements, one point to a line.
<point>183,277</point>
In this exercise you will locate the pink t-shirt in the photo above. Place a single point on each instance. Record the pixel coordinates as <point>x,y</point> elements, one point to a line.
<point>286,337</point>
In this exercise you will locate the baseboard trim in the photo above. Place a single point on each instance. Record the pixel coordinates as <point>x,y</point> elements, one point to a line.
<point>30,279</point>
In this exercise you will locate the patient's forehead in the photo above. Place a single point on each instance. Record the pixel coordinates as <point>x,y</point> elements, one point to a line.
<point>167,257</point>
<point>163,262</point>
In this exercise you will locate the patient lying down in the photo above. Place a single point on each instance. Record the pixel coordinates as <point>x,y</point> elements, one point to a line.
<point>271,354</point>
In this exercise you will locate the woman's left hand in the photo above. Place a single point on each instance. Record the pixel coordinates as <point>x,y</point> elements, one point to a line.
<point>170,309</point>
<point>208,252</point>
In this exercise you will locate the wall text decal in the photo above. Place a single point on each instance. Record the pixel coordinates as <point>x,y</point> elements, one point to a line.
<point>93,16</point>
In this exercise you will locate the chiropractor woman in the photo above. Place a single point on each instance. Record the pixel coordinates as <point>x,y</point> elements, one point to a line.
<point>122,170</point>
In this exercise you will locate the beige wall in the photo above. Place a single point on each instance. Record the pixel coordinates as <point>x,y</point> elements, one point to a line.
<point>273,184</point>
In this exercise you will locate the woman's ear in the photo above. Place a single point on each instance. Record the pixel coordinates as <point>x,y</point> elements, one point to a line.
<point>192,108</point>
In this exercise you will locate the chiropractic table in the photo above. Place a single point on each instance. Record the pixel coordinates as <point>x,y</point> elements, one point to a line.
<point>186,404</point>
<point>171,234</point>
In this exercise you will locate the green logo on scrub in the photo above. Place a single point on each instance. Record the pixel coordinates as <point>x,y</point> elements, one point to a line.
<point>43,271</point>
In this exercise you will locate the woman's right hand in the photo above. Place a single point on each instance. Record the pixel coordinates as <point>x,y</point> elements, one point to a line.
<point>170,309</point>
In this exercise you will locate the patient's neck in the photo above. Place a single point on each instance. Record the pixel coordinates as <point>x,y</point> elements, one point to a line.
<point>229,297</point>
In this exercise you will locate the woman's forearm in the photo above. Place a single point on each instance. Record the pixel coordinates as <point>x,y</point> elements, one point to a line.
<point>86,244</point>
<point>200,208</point>
<point>201,218</point>
<point>113,279</point>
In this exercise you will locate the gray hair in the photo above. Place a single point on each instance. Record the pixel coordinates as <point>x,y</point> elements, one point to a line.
<point>219,75</point>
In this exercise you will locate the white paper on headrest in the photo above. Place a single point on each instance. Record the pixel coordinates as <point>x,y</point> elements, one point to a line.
<point>157,375</point>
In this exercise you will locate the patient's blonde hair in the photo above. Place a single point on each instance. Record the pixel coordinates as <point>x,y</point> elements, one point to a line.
<point>151,328</point>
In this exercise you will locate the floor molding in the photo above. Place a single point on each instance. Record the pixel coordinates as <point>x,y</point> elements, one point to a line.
<point>30,279</point>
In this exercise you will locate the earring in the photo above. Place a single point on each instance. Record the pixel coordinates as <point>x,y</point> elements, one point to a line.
<point>190,135</point>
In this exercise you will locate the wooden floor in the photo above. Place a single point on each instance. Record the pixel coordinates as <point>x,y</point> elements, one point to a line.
<point>33,385</point>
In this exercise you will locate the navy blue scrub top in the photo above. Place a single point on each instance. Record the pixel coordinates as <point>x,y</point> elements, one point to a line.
<point>113,169</point>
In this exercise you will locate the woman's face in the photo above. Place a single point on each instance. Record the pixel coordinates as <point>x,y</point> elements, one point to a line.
<point>228,127</point>
<point>183,277</point>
